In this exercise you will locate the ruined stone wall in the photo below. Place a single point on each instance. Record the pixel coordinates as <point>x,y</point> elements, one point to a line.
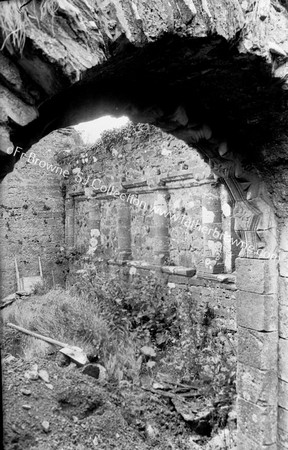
<point>275,174</point>
<point>32,215</point>
<point>154,171</point>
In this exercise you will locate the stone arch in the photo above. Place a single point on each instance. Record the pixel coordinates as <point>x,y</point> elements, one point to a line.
<point>225,115</point>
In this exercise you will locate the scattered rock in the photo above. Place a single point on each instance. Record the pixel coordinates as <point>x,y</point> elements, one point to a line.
<point>43,374</point>
<point>45,425</point>
<point>32,374</point>
<point>232,416</point>
<point>96,441</point>
<point>157,385</point>
<point>96,371</point>
<point>26,391</point>
<point>191,412</point>
<point>9,359</point>
<point>223,439</point>
<point>148,351</point>
<point>26,406</point>
<point>15,429</point>
<point>151,432</point>
<point>151,364</point>
<point>124,384</point>
<point>193,445</point>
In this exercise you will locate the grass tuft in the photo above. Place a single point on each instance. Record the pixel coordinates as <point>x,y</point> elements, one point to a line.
<point>76,321</point>
<point>14,20</point>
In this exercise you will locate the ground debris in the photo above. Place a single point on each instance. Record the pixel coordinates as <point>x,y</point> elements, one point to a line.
<point>32,374</point>
<point>45,425</point>
<point>151,431</point>
<point>148,351</point>
<point>26,391</point>
<point>43,374</point>
<point>26,407</point>
<point>194,412</point>
<point>8,359</point>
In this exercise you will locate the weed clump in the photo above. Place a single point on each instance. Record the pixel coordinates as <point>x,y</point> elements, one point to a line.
<point>15,19</point>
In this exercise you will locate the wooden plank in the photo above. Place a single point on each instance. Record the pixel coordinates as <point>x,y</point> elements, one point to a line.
<point>17,275</point>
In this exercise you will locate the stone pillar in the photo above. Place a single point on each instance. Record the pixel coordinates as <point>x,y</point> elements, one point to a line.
<point>257,319</point>
<point>212,232</point>
<point>69,221</point>
<point>283,342</point>
<point>94,225</point>
<point>94,215</point>
<point>124,231</point>
<point>230,248</point>
<point>161,229</point>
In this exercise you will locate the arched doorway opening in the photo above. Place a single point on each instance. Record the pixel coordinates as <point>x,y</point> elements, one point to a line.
<point>217,100</point>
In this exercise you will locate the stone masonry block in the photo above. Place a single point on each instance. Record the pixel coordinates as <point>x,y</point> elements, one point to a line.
<point>283,359</point>
<point>283,419</point>
<point>257,311</point>
<point>283,263</point>
<point>257,386</point>
<point>257,349</point>
<point>257,422</point>
<point>282,434</point>
<point>283,321</point>
<point>181,271</point>
<point>283,394</point>
<point>283,291</point>
<point>244,443</point>
<point>284,238</point>
<point>256,275</point>
<point>15,108</point>
<point>178,279</point>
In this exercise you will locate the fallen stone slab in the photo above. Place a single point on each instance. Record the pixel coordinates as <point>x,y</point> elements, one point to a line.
<point>23,293</point>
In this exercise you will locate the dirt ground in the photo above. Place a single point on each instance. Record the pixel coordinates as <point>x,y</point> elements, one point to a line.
<point>75,411</point>
<point>82,413</point>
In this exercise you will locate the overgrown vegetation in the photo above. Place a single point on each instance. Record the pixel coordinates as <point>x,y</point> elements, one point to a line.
<point>188,338</point>
<point>15,18</point>
<point>115,321</point>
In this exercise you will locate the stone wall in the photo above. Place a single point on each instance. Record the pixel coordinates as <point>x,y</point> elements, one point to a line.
<point>32,215</point>
<point>157,174</point>
<point>275,174</point>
